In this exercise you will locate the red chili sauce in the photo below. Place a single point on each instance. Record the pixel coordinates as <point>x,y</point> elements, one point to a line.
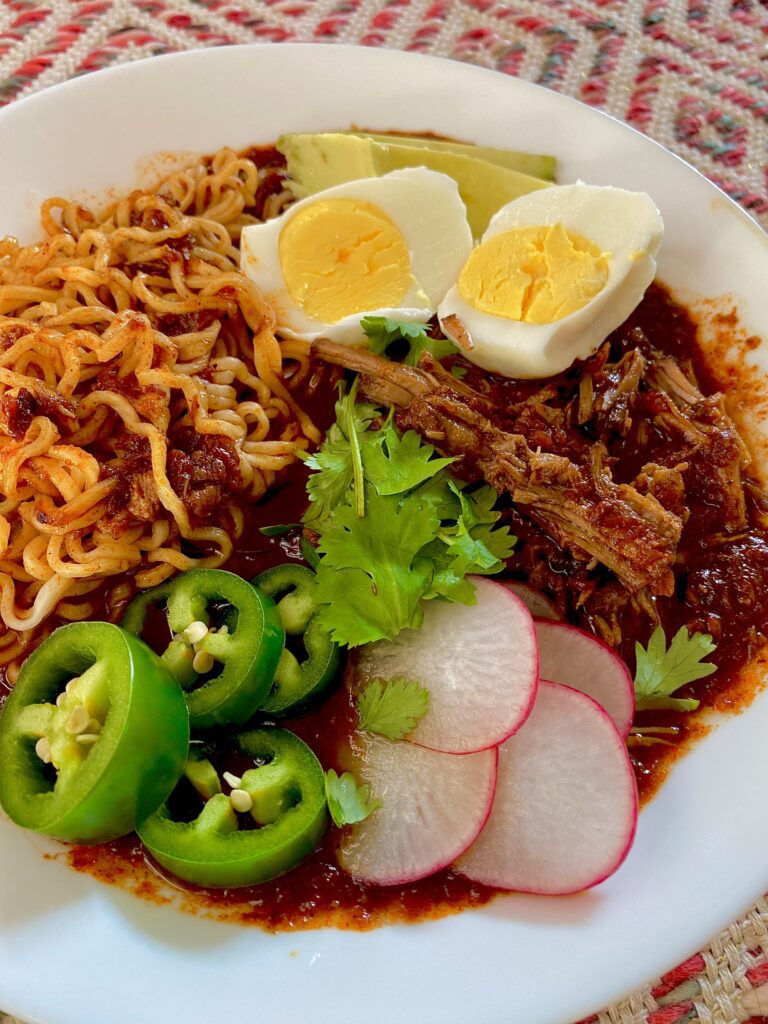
<point>317,892</point>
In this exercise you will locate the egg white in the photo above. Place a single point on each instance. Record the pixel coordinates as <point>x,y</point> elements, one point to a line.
<point>624,224</point>
<point>426,208</point>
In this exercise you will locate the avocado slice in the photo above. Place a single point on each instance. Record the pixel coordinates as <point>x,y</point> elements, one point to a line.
<point>320,161</point>
<point>535,164</point>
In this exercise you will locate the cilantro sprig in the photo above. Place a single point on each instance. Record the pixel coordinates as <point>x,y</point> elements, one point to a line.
<point>348,800</point>
<point>354,450</point>
<point>421,532</point>
<point>333,462</point>
<point>382,332</point>
<point>662,670</point>
<point>392,708</point>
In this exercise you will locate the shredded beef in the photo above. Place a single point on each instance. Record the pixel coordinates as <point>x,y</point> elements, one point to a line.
<point>628,487</point>
<point>578,506</point>
<point>18,411</point>
<point>203,469</point>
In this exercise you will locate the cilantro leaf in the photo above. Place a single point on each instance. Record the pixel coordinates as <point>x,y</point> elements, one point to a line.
<point>437,493</point>
<point>370,578</point>
<point>468,541</point>
<point>438,347</point>
<point>491,547</point>
<point>474,544</point>
<point>392,709</point>
<point>478,504</point>
<point>348,800</point>
<point>397,464</point>
<point>333,462</point>
<point>382,331</point>
<point>661,670</point>
<point>333,477</point>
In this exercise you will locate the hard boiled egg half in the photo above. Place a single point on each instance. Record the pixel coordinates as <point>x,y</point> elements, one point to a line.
<point>388,246</point>
<point>555,272</point>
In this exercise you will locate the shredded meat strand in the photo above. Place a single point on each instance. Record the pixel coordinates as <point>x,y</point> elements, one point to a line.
<point>578,506</point>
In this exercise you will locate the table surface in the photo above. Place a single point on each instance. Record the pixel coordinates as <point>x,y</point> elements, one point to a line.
<point>692,74</point>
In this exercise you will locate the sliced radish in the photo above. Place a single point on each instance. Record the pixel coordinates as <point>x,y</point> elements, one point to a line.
<point>479,663</point>
<point>433,808</point>
<point>570,656</point>
<point>565,809</point>
<point>538,604</point>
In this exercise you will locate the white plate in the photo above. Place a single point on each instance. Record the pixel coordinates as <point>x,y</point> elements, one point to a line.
<point>73,951</point>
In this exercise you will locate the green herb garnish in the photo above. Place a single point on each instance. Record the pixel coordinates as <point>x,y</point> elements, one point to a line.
<point>392,709</point>
<point>383,332</point>
<point>421,532</point>
<point>333,461</point>
<point>471,544</point>
<point>371,578</point>
<point>397,463</point>
<point>661,670</point>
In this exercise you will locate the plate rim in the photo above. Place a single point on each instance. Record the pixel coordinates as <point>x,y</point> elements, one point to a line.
<point>10,112</point>
<point>181,56</point>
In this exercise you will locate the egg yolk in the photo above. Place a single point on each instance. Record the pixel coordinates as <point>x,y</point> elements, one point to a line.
<point>535,274</point>
<point>343,256</point>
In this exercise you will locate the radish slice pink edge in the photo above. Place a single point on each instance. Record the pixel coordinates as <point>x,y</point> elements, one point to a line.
<point>434,806</point>
<point>480,664</point>
<point>565,810</point>
<point>538,604</point>
<point>574,658</point>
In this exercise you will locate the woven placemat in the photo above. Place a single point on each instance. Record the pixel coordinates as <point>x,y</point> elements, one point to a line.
<point>692,74</point>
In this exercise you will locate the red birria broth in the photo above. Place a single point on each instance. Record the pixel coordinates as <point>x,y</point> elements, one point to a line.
<point>317,892</point>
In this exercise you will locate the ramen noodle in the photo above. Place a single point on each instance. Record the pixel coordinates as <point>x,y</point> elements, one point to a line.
<point>143,395</point>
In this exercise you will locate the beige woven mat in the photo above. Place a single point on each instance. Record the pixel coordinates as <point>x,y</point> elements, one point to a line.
<point>693,74</point>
